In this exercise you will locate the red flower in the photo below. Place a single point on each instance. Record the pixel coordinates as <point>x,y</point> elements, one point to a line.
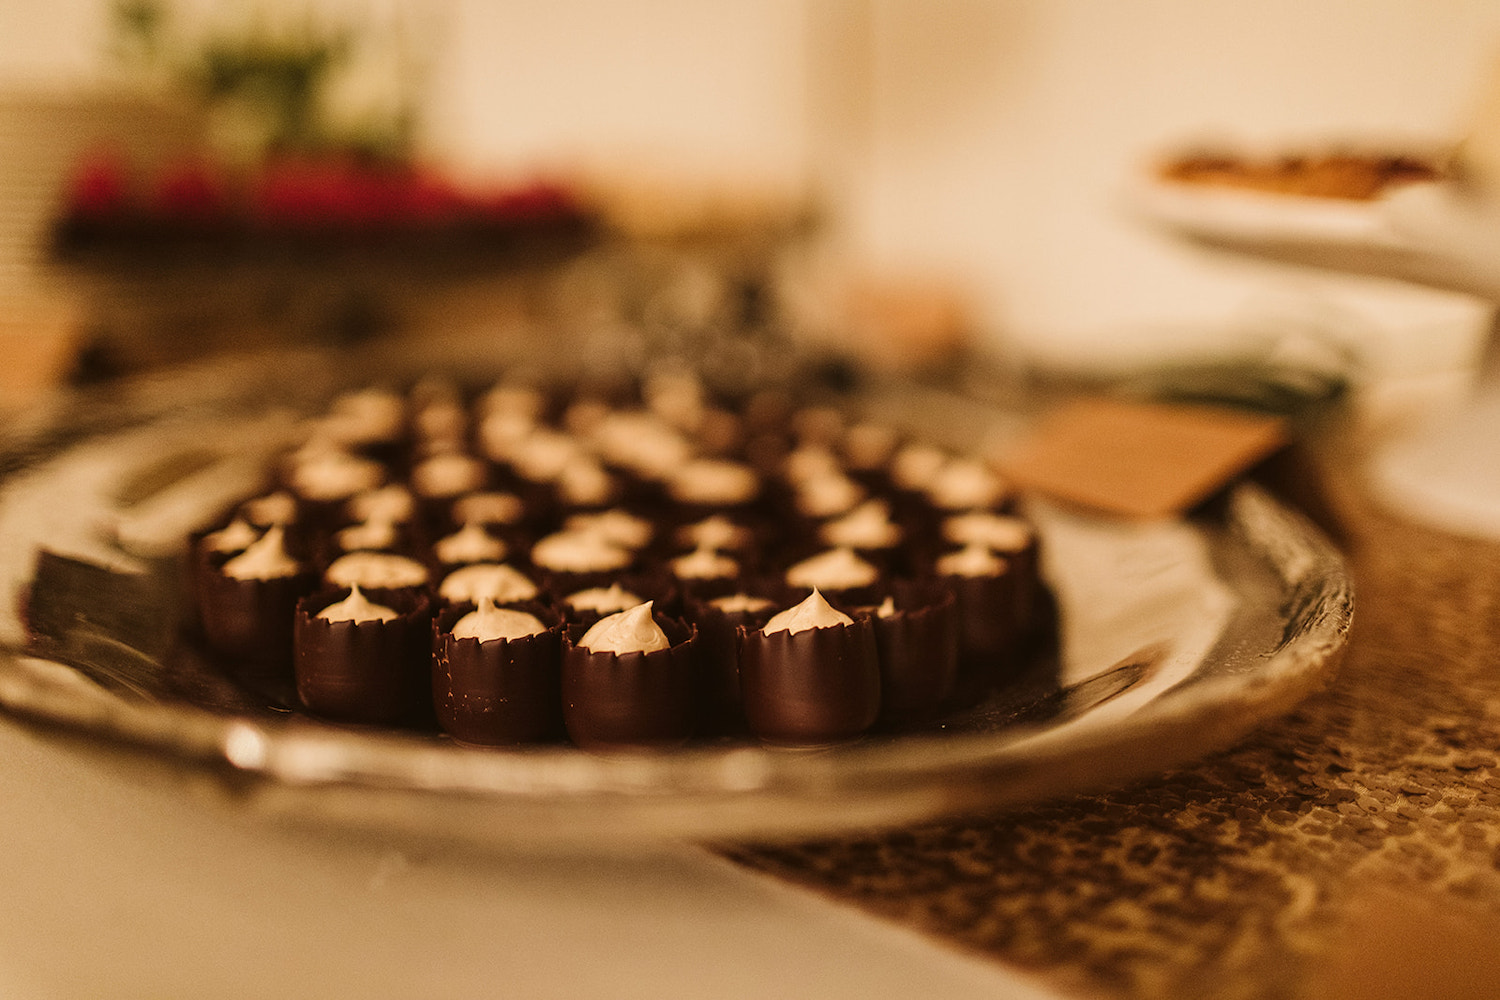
<point>191,190</point>
<point>537,201</point>
<point>335,193</point>
<point>99,187</point>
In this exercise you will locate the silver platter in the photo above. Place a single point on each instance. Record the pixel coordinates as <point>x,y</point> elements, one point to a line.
<point>1176,639</point>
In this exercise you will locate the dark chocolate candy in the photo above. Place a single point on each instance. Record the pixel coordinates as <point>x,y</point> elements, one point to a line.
<point>988,630</point>
<point>249,621</point>
<point>816,686</point>
<point>630,699</point>
<point>717,694</point>
<point>500,692</point>
<point>918,650</point>
<point>365,671</point>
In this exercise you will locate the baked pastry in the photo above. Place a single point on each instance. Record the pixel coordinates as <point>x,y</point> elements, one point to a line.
<point>1355,176</point>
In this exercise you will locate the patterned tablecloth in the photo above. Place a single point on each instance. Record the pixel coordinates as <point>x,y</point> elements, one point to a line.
<point>1353,845</point>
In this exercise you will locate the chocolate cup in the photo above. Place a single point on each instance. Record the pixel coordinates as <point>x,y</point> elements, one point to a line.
<point>1030,596</point>
<point>535,495</point>
<point>717,693</point>
<point>918,650</point>
<point>817,686</point>
<point>388,451</point>
<point>365,671</point>
<point>613,700</point>
<point>250,621</point>
<point>989,633</point>
<point>1026,564</point>
<point>501,692</point>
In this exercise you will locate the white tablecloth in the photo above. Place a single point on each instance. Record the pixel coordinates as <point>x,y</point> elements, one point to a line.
<point>123,888</point>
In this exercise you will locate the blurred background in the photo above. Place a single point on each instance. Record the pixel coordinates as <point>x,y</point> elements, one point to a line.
<point>923,177</point>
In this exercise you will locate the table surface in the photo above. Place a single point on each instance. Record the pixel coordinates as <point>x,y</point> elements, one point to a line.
<point>1345,846</point>
<point>119,887</point>
<point>1353,843</point>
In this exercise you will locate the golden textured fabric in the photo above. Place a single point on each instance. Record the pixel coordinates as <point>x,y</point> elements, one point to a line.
<point>1246,875</point>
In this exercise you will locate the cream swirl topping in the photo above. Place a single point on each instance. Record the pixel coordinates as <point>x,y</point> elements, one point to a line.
<point>618,527</point>
<point>712,482</point>
<point>496,581</point>
<point>266,559</point>
<point>869,445</point>
<point>715,532</point>
<point>603,600</point>
<point>489,508</point>
<point>642,443</point>
<point>332,474</point>
<point>813,612</point>
<point>375,569</point>
<point>966,483</point>
<point>542,455</point>
<point>741,604</point>
<point>448,474</point>
<point>811,462</point>
<point>273,508</point>
<point>836,569</point>
<point>867,526</point>
<point>914,466</point>
<point>364,416</point>
<point>828,496</point>
<point>513,398</point>
<point>973,561</point>
<point>675,395</point>
<point>501,433</point>
<point>584,482</point>
<point>630,631</point>
<point>470,544</point>
<point>488,623</point>
<point>441,420</point>
<point>704,564</point>
<point>579,552</point>
<point>994,531</point>
<point>236,536</point>
<point>393,503</point>
<point>374,534</point>
<point>357,608</point>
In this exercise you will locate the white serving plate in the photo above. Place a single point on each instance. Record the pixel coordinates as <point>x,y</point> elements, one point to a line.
<point>1433,233</point>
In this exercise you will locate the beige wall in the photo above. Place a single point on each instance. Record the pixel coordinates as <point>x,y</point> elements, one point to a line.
<point>701,86</point>
<point>984,138</point>
<point>1006,130</point>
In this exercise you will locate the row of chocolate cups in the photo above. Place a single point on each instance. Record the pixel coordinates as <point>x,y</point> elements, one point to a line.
<point>722,669</point>
<point>241,584</point>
